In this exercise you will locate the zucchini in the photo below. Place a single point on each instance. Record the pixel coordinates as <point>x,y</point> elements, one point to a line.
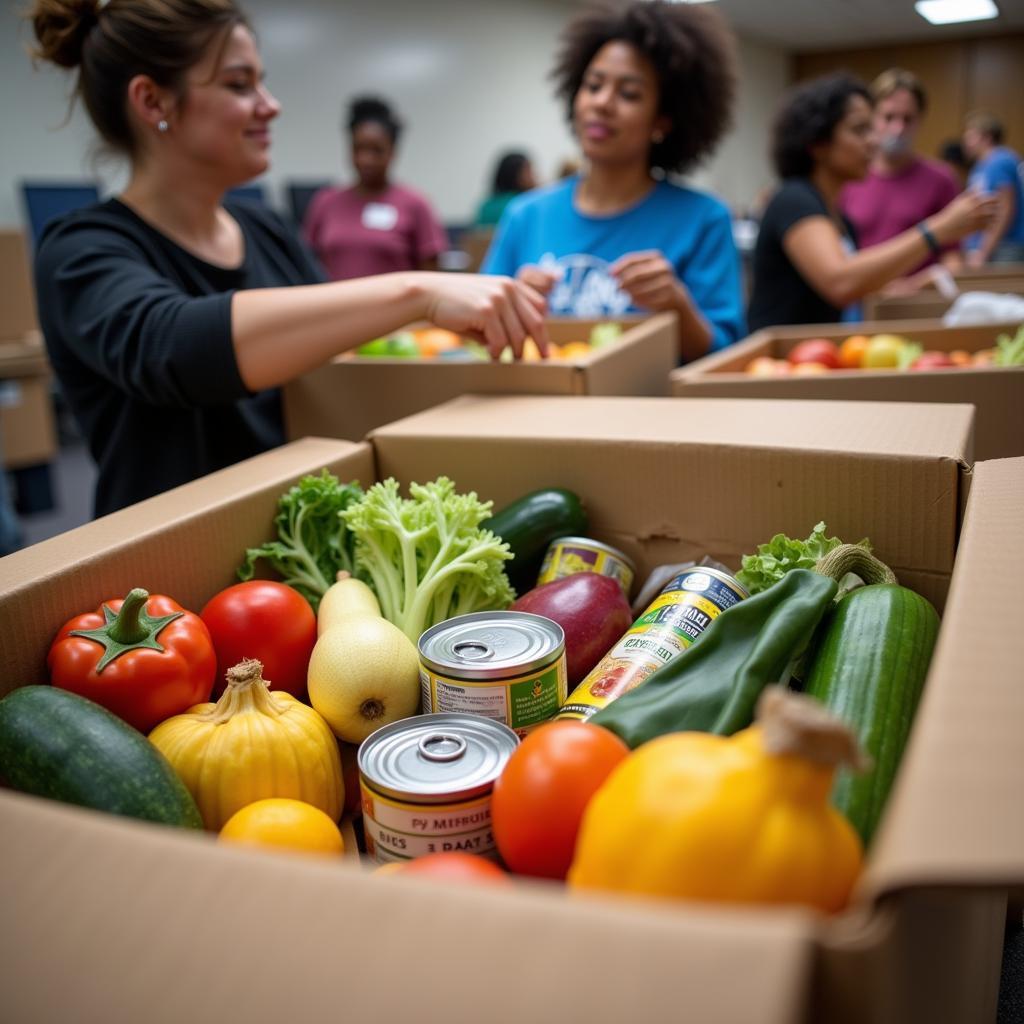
<point>530,524</point>
<point>868,665</point>
<point>58,745</point>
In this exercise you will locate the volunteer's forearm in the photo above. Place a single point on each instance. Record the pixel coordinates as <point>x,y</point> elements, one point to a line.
<point>695,334</point>
<point>280,333</point>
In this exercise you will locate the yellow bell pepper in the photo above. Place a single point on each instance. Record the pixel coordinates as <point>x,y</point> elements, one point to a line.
<point>745,819</point>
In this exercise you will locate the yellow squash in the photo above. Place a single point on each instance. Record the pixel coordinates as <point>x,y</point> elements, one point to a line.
<point>744,818</point>
<point>251,745</point>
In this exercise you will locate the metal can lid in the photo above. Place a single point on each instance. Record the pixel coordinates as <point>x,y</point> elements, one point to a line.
<point>599,544</point>
<point>435,758</point>
<point>491,645</point>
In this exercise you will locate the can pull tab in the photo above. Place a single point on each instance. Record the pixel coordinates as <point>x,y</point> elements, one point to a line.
<point>472,650</point>
<point>442,746</point>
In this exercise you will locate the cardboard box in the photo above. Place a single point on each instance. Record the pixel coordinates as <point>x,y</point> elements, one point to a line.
<point>28,430</point>
<point>930,304</point>
<point>351,396</point>
<point>109,920</point>
<point>17,293</point>
<point>995,392</point>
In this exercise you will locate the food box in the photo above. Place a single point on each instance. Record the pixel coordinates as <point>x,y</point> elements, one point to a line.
<point>352,395</point>
<point>28,431</point>
<point>996,392</point>
<point>110,920</point>
<point>17,294</point>
<point>930,303</point>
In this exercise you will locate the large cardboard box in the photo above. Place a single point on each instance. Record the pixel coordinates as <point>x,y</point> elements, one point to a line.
<point>931,304</point>
<point>109,920</point>
<point>352,395</point>
<point>17,294</point>
<point>995,392</point>
<point>28,430</point>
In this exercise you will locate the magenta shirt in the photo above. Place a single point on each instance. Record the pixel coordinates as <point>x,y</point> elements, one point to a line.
<point>883,206</point>
<point>355,236</point>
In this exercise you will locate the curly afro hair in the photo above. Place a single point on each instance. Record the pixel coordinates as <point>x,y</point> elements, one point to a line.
<point>809,115</point>
<point>693,54</point>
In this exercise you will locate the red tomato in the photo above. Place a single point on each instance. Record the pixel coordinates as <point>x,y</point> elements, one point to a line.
<point>816,350</point>
<point>932,361</point>
<point>540,797</point>
<point>265,620</point>
<point>454,866</point>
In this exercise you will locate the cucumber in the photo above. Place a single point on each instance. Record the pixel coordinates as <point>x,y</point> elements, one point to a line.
<point>530,524</point>
<point>868,665</point>
<point>58,745</point>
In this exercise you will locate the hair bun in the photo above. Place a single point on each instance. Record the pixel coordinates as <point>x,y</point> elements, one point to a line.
<point>61,28</point>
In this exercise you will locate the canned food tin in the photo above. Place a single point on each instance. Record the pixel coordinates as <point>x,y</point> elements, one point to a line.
<point>426,783</point>
<point>568,555</point>
<point>508,666</point>
<point>686,606</point>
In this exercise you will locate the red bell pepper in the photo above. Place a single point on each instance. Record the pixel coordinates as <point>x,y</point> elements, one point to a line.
<point>144,658</point>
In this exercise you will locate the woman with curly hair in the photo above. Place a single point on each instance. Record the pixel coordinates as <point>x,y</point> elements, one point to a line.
<point>172,315</point>
<point>806,267</point>
<point>375,226</point>
<point>648,91</point>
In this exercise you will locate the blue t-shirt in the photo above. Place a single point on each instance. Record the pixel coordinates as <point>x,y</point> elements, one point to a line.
<point>1000,168</point>
<point>692,230</point>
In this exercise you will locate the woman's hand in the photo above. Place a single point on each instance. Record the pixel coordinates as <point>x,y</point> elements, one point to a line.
<point>649,280</point>
<point>497,311</point>
<point>970,212</point>
<point>539,280</point>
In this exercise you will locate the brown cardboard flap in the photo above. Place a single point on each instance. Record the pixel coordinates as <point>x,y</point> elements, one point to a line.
<point>156,544</point>
<point>636,369</point>
<point>120,921</point>
<point>707,477</point>
<point>955,816</point>
<point>17,294</point>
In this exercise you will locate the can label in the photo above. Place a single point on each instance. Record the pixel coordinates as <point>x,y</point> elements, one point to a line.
<point>571,555</point>
<point>521,703</point>
<point>689,603</point>
<point>396,830</point>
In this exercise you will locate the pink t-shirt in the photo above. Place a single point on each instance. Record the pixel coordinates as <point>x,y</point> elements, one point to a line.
<point>356,236</point>
<point>883,206</point>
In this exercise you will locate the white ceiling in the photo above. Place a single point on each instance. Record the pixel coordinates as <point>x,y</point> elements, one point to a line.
<point>809,25</point>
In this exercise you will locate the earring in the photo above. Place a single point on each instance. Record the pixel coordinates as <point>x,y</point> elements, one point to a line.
<point>658,137</point>
<point>162,125</point>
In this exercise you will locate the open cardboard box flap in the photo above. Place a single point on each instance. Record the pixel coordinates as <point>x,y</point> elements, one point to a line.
<point>667,480</point>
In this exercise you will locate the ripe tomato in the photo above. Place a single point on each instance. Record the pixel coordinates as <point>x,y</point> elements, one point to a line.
<point>265,620</point>
<point>539,798</point>
<point>455,866</point>
<point>816,350</point>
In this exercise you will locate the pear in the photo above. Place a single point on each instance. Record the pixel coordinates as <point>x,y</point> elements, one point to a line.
<point>348,596</point>
<point>363,673</point>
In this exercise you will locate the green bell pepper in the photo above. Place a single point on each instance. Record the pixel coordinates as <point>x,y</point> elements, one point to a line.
<point>714,686</point>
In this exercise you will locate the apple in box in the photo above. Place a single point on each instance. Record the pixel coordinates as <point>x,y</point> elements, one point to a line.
<point>590,608</point>
<point>816,350</point>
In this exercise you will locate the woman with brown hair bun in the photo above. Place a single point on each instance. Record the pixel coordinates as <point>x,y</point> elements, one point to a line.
<point>172,315</point>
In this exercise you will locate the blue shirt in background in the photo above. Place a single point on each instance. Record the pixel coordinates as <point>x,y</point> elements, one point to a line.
<point>1000,168</point>
<point>692,230</point>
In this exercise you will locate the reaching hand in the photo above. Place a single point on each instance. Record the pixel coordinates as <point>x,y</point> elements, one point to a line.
<point>497,311</point>
<point>539,280</point>
<point>649,280</point>
<point>971,211</point>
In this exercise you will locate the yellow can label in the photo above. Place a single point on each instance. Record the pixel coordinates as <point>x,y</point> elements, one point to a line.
<point>567,557</point>
<point>670,625</point>
<point>396,830</point>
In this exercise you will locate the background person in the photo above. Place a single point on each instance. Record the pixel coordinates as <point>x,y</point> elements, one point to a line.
<point>171,318</point>
<point>513,175</point>
<point>806,265</point>
<point>901,187</point>
<point>997,171</point>
<point>648,90</point>
<point>374,226</point>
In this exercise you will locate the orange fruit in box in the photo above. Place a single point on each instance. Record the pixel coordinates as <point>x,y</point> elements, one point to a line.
<point>573,350</point>
<point>433,340</point>
<point>284,823</point>
<point>851,351</point>
<point>766,366</point>
<point>960,357</point>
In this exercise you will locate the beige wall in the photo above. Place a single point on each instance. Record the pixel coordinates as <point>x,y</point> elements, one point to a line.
<point>959,76</point>
<point>463,100</point>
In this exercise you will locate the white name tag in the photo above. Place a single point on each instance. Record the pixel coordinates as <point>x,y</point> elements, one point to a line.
<point>379,216</point>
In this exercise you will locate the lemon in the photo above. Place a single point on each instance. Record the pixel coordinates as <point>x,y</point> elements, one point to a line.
<point>286,824</point>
